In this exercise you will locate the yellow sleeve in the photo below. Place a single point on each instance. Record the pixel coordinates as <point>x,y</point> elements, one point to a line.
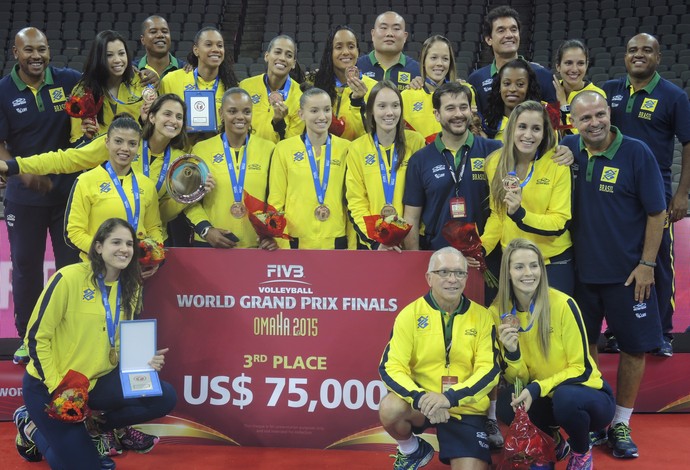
<point>513,365</point>
<point>152,216</point>
<point>494,224</point>
<point>65,161</point>
<point>356,193</point>
<point>77,216</point>
<point>277,180</point>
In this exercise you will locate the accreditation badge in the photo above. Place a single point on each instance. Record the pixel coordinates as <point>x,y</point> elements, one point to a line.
<point>201,112</point>
<point>447,381</point>
<point>457,207</point>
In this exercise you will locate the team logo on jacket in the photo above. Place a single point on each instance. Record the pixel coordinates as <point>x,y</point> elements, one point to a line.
<point>640,310</point>
<point>477,164</point>
<point>609,175</point>
<point>471,332</point>
<point>89,295</point>
<point>418,106</point>
<point>369,159</point>
<point>298,156</point>
<point>404,77</point>
<point>649,105</point>
<point>19,102</point>
<point>256,98</point>
<point>423,322</point>
<point>57,95</point>
<point>105,187</point>
<point>217,158</point>
<point>545,181</point>
<point>254,167</point>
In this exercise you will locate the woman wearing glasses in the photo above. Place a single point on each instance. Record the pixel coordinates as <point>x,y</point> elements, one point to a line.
<point>544,345</point>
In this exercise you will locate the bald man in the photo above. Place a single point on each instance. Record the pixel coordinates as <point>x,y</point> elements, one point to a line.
<point>617,228</point>
<point>656,111</point>
<point>33,120</point>
<point>387,59</point>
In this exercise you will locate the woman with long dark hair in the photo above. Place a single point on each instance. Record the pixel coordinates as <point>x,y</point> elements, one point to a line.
<point>378,188</point>
<point>75,327</point>
<point>339,76</point>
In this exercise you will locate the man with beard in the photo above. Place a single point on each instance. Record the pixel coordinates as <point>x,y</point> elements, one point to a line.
<point>32,121</point>
<point>656,111</point>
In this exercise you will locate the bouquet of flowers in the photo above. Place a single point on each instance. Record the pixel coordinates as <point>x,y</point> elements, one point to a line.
<point>266,220</point>
<point>554,112</point>
<point>70,398</point>
<point>525,444</point>
<point>152,253</point>
<point>463,236</point>
<point>82,104</point>
<point>389,231</point>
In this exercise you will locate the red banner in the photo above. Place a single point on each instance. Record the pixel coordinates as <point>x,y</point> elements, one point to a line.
<point>281,349</point>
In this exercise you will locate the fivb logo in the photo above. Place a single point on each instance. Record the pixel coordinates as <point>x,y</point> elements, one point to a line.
<point>285,271</point>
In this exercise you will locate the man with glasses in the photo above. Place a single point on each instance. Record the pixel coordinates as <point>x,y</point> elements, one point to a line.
<point>439,365</point>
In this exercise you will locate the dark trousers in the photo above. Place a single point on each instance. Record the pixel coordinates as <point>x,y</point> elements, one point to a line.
<point>68,446</point>
<point>576,408</point>
<point>27,227</point>
<point>664,281</point>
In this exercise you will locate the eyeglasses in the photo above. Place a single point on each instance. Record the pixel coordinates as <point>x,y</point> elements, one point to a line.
<point>445,273</point>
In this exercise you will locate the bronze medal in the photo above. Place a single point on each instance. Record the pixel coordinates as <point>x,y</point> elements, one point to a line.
<point>512,320</point>
<point>113,356</point>
<point>275,97</point>
<point>388,210</point>
<point>238,210</point>
<point>322,213</point>
<point>352,72</point>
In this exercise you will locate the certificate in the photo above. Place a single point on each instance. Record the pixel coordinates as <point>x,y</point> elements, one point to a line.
<point>201,110</point>
<point>137,347</point>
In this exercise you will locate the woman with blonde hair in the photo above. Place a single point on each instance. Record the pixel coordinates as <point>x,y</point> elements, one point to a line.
<point>544,345</point>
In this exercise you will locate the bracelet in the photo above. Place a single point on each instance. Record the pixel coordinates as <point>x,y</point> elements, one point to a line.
<point>647,263</point>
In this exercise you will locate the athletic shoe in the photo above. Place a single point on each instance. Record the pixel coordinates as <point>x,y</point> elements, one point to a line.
<point>493,434</point>
<point>666,349</point>
<point>107,463</point>
<point>25,445</point>
<point>611,345</point>
<point>21,355</point>
<point>416,459</point>
<point>562,446</point>
<point>621,442</point>
<point>580,461</point>
<point>133,439</point>
<point>102,444</point>
<point>112,443</point>
<point>598,438</point>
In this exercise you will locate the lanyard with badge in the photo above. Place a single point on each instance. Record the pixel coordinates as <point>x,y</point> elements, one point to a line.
<point>201,109</point>
<point>322,212</point>
<point>132,216</point>
<point>388,184</point>
<point>146,164</point>
<point>457,203</point>
<point>447,381</point>
<point>237,209</point>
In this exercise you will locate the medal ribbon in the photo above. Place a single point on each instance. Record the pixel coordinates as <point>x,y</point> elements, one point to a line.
<point>132,217</point>
<point>283,92</point>
<point>114,98</point>
<point>147,167</point>
<point>388,184</point>
<point>513,311</point>
<point>237,186</point>
<point>196,81</point>
<point>111,325</point>
<point>320,187</point>
<point>531,171</point>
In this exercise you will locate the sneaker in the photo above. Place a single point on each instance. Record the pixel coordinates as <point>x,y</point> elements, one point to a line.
<point>112,443</point>
<point>416,459</point>
<point>666,349</point>
<point>598,438</point>
<point>580,461</point>
<point>102,444</point>
<point>21,355</point>
<point>133,439</point>
<point>25,445</point>
<point>107,463</point>
<point>611,345</point>
<point>621,442</point>
<point>562,446</point>
<point>493,434</point>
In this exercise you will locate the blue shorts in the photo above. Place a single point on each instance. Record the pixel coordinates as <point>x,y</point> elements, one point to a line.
<point>465,438</point>
<point>636,325</point>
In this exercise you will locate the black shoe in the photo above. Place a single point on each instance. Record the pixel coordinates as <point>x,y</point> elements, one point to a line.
<point>666,349</point>
<point>611,345</point>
